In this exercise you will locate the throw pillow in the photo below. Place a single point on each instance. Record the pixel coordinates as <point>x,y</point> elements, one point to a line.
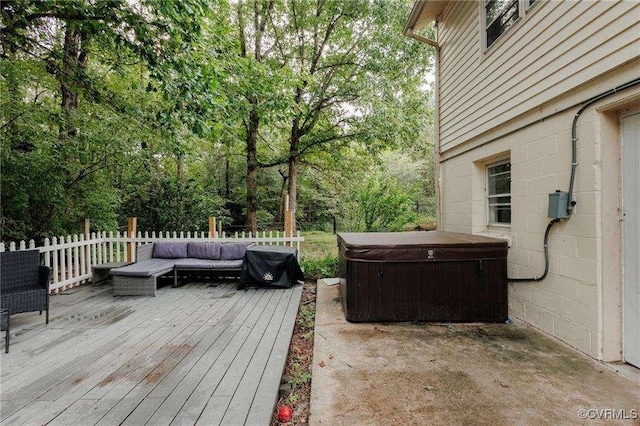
<point>169,250</point>
<point>233,251</point>
<point>204,250</point>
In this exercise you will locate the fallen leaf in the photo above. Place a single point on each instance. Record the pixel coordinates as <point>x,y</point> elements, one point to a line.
<point>321,364</point>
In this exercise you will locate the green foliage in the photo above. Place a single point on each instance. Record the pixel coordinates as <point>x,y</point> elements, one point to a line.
<point>165,204</point>
<point>143,92</point>
<point>300,376</point>
<point>163,100</point>
<point>307,316</point>
<point>316,268</point>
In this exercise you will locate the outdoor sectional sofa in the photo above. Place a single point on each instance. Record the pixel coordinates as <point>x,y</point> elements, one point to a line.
<point>173,258</point>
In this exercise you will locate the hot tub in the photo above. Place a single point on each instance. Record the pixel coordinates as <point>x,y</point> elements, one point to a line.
<point>423,276</point>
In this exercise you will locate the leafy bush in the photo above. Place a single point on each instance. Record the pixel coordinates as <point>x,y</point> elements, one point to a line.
<point>325,267</point>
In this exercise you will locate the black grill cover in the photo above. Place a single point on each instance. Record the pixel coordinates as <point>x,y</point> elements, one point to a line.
<point>270,266</point>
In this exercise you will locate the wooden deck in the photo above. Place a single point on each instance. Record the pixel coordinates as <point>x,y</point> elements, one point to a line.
<point>200,354</point>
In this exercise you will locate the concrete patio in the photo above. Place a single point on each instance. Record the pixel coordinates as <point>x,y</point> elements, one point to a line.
<point>455,374</point>
<point>203,353</point>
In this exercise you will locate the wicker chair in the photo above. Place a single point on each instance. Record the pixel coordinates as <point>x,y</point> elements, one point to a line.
<point>24,284</point>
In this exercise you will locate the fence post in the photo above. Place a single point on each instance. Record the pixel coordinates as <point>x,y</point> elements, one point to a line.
<point>212,227</point>
<point>131,232</point>
<point>85,227</point>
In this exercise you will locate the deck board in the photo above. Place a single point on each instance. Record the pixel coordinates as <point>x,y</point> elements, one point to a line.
<point>200,354</point>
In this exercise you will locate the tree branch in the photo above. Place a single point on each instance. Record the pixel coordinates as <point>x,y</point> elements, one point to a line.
<point>329,139</point>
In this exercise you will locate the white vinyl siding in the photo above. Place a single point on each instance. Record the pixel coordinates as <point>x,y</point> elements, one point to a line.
<point>558,47</point>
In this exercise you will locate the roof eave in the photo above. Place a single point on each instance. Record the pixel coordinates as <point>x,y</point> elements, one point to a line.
<point>423,13</point>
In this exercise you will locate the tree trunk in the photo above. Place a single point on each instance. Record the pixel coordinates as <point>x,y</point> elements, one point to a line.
<point>180,173</point>
<point>252,171</point>
<point>293,183</point>
<point>74,59</point>
<point>9,74</point>
<point>283,191</point>
<point>294,144</point>
<point>227,181</point>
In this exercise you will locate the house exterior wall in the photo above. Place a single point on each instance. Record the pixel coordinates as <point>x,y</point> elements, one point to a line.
<point>556,47</point>
<point>557,57</point>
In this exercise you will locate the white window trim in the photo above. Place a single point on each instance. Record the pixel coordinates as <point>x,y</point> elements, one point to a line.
<point>487,196</point>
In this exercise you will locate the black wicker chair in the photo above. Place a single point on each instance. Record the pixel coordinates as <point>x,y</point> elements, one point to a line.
<point>24,284</point>
<point>6,327</point>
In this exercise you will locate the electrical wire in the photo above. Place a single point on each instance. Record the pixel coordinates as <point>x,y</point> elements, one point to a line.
<point>546,257</point>
<point>574,135</point>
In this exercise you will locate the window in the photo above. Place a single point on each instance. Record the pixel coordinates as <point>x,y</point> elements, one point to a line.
<point>500,15</point>
<point>499,193</point>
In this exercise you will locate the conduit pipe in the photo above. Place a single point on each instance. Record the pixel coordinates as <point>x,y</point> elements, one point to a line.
<point>574,135</point>
<point>574,164</point>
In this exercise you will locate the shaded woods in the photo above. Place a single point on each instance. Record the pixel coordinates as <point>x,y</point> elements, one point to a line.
<point>175,111</point>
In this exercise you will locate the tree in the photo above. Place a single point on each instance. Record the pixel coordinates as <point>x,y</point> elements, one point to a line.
<point>388,194</point>
<point>255,84</point>
<point>353,66</point>
<point>176,110</point>
<point>81,46</point>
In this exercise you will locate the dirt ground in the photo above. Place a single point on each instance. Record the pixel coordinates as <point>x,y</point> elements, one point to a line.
<point>449,374</point>
<point>295,387</point>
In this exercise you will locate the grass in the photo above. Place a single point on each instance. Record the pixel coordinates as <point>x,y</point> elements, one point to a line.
<point>319,255</point>
<point>318,245</point>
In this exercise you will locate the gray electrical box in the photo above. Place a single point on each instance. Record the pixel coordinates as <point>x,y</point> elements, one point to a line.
<point>558,205</point>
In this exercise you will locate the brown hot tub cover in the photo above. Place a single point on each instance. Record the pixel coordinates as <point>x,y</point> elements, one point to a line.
<point>419,246</point>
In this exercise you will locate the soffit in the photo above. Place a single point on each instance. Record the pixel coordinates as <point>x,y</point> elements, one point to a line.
<point>424,13</point>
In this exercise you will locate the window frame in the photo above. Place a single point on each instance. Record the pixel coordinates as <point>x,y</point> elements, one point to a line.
<point>488,197</point>
<point>524,8</point>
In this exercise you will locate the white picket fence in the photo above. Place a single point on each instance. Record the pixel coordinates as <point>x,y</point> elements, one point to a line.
<point>71,257</point>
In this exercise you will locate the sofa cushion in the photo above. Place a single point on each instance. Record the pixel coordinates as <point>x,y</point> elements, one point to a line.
<point>146,268</point>
<point>233,251</point>
<point>203,250</point>
<point>169,250</point>
<point>228,264</point>
<point>191,263</point>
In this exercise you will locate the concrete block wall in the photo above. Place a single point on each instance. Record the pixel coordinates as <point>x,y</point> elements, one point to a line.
<point>565,303</point>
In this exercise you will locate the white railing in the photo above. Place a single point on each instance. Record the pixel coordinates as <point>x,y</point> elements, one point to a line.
<point>71,257</point>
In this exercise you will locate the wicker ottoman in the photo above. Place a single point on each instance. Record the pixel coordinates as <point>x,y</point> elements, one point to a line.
<point>5,326</point>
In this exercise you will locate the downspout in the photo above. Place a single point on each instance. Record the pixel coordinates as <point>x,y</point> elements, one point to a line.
<point>436,70</point>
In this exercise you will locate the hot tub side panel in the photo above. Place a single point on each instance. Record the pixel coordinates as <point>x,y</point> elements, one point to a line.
<point>467,291</point>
